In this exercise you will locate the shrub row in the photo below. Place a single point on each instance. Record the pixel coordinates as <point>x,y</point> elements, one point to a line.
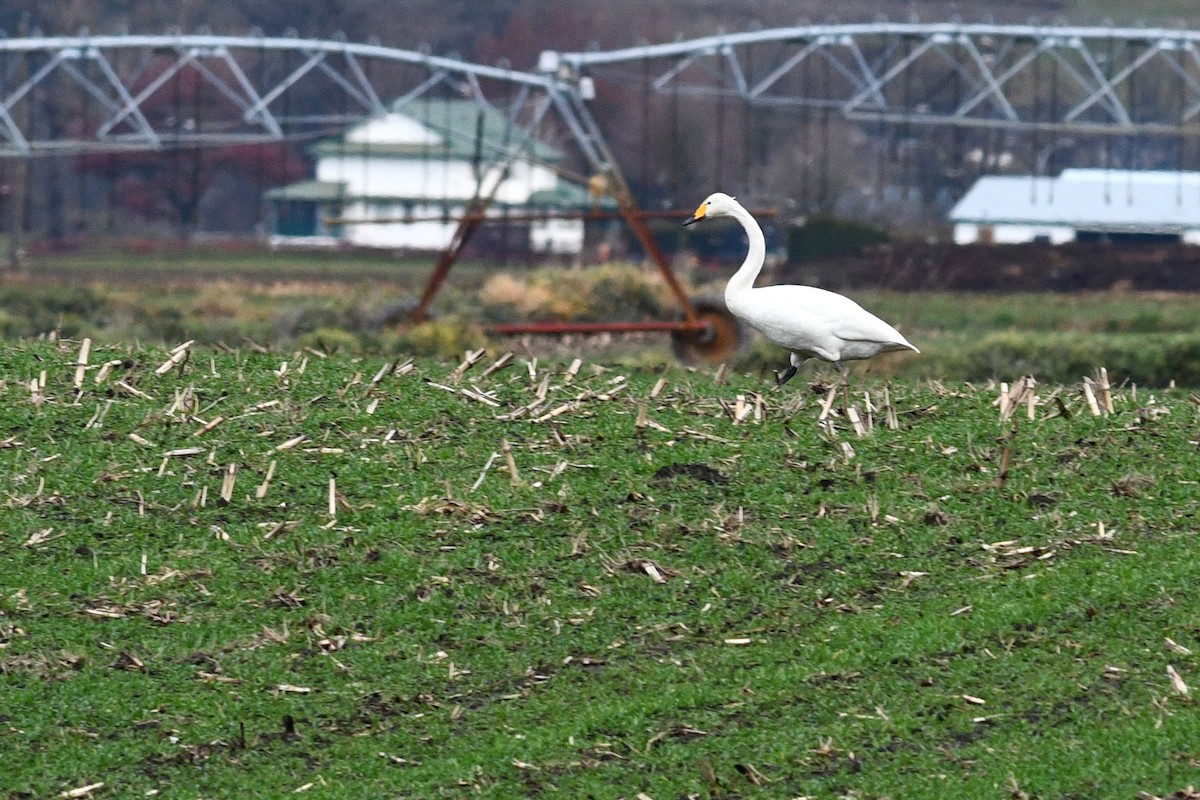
<point>1147,359</point>
<point>365,321</point>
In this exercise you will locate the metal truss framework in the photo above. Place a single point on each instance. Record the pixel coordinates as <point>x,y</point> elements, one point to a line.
<point>100,94</point>
<point>97,93</point>
<point>1114,81</point>
<point>104,93</point>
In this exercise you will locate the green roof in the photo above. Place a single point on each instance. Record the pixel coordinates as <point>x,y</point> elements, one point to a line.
<point>463,126</point>
<point>308,190</point>
<point>568,195</point>
<point>565,195</point>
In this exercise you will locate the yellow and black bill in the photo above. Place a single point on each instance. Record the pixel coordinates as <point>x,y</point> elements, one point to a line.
<point>700,214</point>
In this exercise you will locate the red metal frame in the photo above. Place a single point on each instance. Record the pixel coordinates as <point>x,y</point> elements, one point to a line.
<point>556,328</point>
<point>466,227</point>
<point>627,209</point>
<point>634,217</point>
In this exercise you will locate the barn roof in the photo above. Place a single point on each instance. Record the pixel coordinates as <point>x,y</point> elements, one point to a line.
<point>1087,199</point>
<point>312,191</point>
<point>565,195</point>
<point>435,128</point>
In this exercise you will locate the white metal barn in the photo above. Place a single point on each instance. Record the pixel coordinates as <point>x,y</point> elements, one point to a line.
<point>1080,205</point>
<point>402,180</point>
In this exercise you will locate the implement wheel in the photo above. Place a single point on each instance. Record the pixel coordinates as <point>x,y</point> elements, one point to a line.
<point>717,341</point>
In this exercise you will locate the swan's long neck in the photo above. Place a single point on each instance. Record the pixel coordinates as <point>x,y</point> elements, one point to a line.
<point>743,280</point>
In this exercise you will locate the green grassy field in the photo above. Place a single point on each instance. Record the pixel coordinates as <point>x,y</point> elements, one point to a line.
<point>245,574</point>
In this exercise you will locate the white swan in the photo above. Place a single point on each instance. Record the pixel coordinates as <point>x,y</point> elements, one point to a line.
<point>809,322</point>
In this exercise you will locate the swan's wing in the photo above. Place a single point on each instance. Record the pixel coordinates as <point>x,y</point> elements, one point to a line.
<point>811,320</point>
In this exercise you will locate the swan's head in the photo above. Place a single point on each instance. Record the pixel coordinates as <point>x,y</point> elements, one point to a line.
<point>718,204</point>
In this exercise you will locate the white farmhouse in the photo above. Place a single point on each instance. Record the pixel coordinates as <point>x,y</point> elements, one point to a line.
<point>402,181</point>
<point>1080,205</point>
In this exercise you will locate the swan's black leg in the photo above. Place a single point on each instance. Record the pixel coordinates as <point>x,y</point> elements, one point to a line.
<point>783,377</point>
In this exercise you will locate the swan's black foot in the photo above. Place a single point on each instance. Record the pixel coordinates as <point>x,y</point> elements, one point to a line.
<point>783,377</point>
